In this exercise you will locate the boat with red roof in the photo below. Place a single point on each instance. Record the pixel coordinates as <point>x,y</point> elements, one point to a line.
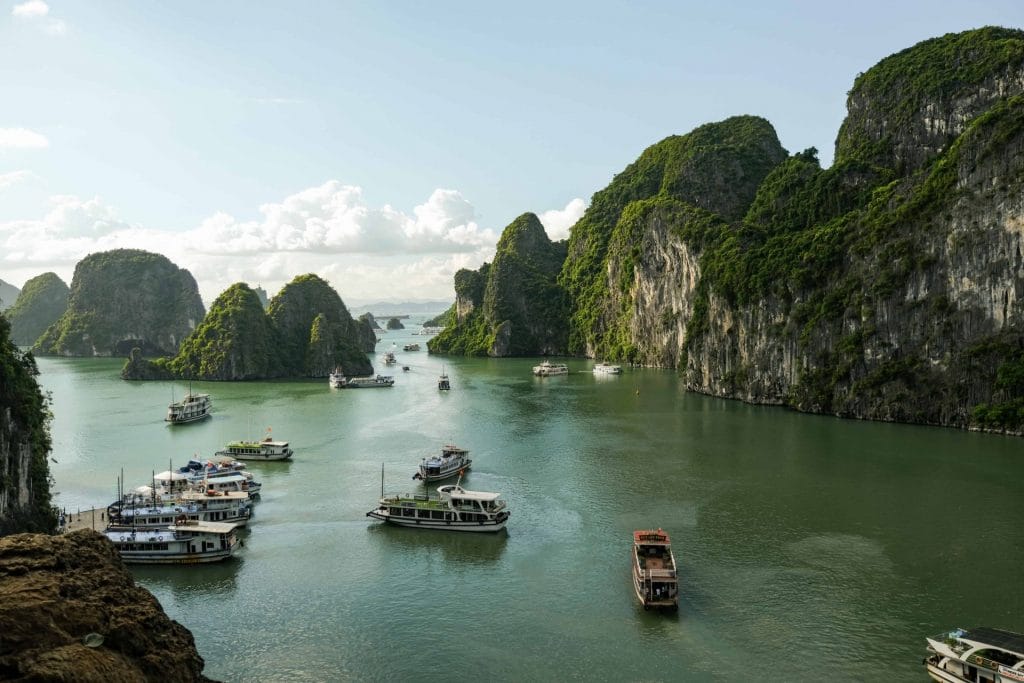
<point>654,570</point>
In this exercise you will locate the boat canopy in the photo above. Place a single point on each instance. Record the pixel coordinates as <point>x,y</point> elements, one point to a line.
<point>650,537</point>
<point>172,476</point>
<point>458,492</point>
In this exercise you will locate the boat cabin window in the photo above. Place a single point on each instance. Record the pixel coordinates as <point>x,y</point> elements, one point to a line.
<point>436,514</point>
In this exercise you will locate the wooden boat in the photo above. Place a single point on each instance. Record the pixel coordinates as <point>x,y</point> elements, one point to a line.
<point>453,509</point>
<point>442,382</point>
<point>184,542</point>
<point>976,655</point>
<point>452,461</point>
<point>654,570</point>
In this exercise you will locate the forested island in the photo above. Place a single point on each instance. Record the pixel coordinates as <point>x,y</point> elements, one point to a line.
<point>888,286</point>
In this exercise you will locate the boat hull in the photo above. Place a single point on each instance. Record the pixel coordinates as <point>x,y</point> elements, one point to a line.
<point>941,675</point>
<point>487,526</point>
<point>195,558</point>
<point>186,420</point>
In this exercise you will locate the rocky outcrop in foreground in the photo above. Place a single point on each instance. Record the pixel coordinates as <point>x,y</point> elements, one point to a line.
<point>58,593</point>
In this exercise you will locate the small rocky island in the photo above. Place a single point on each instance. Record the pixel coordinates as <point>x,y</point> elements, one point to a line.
<point>41,302</point>
<point>305,331</point>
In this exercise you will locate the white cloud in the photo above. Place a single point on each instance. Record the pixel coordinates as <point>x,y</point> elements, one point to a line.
<point>557,222</point>
<point>32,8</point>
<point>22,138</point>
<point>14,177</point>
<point>335,218</point>
<point>365,252</point>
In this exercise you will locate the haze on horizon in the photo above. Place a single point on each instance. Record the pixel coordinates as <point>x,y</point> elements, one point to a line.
<point>384,146</point>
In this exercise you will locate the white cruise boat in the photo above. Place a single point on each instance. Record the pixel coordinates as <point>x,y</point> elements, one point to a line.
<point>654,570</point>
<point>389,358</point>
<point>549,369</point>
<point>453,508</point>
<point>235,508</point>
<point>189,409</point>
<point>378,382</point>
<point>173,484</point>
<point>267,449</point>
<point>443,383</point>
<point>453,460</point>
<point>183,543</point>
<point>607,369</point>
<point>977,655</point>
<point>411,347</point>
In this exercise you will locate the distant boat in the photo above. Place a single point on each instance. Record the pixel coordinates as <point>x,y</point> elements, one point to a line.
<point>548,369</point>
<point>442,382</point>
<point>189,409</point>
<point>453,460</point>
<point>654,570</point>
<point>411,347</point>
<point>607,369</point>
<point>267,449</point>
<point>977,654</point>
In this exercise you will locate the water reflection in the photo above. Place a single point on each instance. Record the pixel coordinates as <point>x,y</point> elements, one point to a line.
<point>456,547</point>
<point>212,579</point>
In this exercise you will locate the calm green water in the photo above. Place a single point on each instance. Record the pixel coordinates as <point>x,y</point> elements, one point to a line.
<point>810,548</point>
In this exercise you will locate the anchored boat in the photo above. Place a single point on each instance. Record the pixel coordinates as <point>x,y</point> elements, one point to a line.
<point>453,460</point>
<point>654,570</point>
<point>453,508</point>
<point>181,543</point>
<point>976,655</point>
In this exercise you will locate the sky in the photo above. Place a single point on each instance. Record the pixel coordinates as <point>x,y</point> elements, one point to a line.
<point>385,145</point>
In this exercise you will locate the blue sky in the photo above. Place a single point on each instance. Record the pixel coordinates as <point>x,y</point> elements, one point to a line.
<point>386,145</point>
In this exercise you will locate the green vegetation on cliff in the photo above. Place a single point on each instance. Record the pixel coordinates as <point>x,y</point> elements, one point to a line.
<point>717,167</point>
<point>306,331</point>
<point>514,305</point>
<point>42,301</point>
<point>8,295</point>
<point>123,299</point>
<point>24,443</point>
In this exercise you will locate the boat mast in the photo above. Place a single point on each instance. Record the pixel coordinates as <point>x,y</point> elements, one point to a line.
<point>382,480</point>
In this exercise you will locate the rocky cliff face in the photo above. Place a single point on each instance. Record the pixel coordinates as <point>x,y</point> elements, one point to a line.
<point>43,300</point>
<point>513,306</point>
<point>887,287</point>
<point>8,295</point>
<point>123,299</point>
<point>24,444</point>
<point>56,590</point>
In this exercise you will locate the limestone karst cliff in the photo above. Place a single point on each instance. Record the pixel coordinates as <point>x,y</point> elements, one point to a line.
<point>514,305</point>
<point>42,301</point>
<point>56,590</point>
<point>24,443</point>
<point>8,295</point>
<point>888,286</point>
<point>123,299</point>
<point>306,331</point>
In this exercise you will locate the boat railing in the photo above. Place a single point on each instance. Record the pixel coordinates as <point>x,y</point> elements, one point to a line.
<point>952,640</point>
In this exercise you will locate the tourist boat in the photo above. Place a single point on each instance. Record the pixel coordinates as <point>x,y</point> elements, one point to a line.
<point>411,347</point>
<point>453,508</point>
<point>442,382</point>
<point>365,382</point>
<point>267,449</point>
<point>548,369</point>
<point>654,570</point>
<point>607,369</point>
<point>389,358</point>
<point>235,508</point>
<point>976,655</point>
<point>453,460</point>
<point>189,409</point>
<point>173,484</point>
<point>184,542</point>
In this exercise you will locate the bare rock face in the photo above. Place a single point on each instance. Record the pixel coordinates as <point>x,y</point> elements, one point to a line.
<point>56,592</point>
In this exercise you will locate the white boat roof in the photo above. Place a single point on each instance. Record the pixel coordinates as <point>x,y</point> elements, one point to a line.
<point>209,527</point>
<point>168,475</point>
<point>458,492</point>
<point>223,495</point>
